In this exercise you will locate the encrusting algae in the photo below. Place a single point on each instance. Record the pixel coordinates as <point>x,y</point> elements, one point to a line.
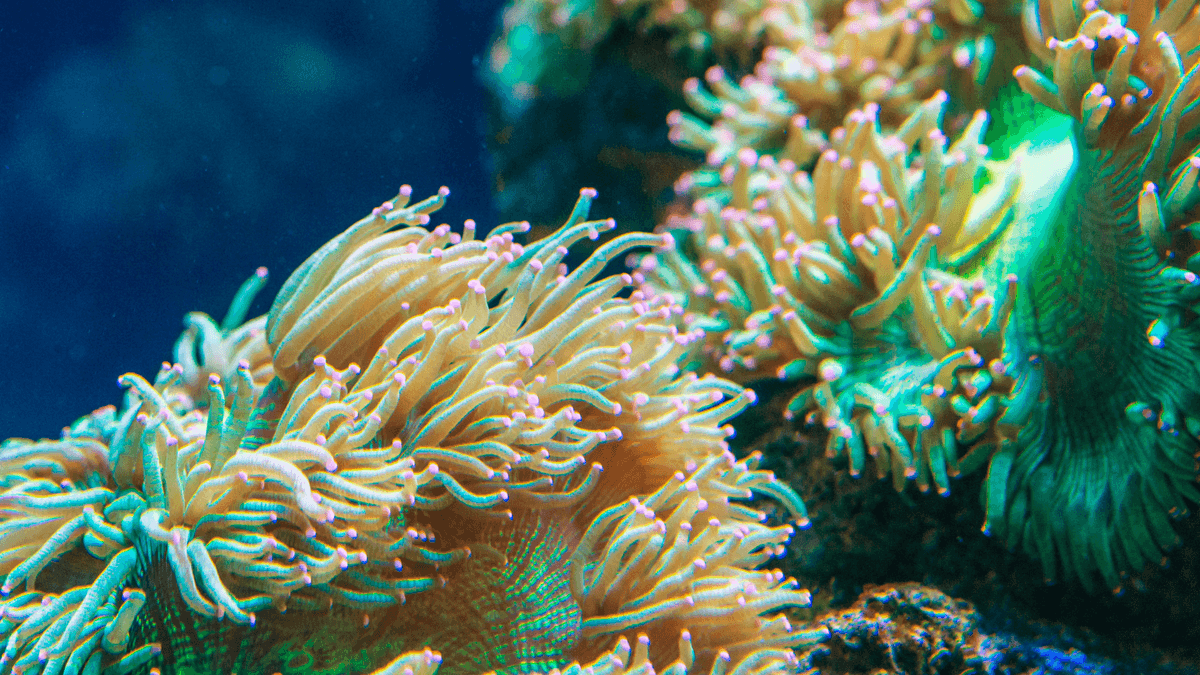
<point>436,453</point>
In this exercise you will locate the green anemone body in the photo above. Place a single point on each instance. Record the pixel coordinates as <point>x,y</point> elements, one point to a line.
<point>1104,458</point>
<point>507,609</point>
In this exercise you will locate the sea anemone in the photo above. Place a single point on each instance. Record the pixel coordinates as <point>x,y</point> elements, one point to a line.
<point>434,452</point>
<point>1105,320</point>
<point>845,276</point>
<point>893,54</point>
<point>946,311</point>
<point>544,46</point>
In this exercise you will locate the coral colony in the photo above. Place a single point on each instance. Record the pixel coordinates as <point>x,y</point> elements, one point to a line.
<point>439,453</point>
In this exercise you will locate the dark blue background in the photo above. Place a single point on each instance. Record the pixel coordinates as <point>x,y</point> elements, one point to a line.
<point>152,155</point>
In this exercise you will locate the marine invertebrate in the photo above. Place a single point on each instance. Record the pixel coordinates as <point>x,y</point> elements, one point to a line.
<point>1105,320</point>
<point>845,275</point>
<point>1045,328</point>
<point>892,54</point>
<point>421,471</point>
<point>544,45</point>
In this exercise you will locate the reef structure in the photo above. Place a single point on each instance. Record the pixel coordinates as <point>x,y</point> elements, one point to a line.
<point>899,628</point>
<point>436,453</point>
<point>946,306</point>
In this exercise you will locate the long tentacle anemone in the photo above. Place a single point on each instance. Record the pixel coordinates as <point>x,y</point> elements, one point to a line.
<point>821,60</point>
<point>843,278</point>
<point>432,442</point>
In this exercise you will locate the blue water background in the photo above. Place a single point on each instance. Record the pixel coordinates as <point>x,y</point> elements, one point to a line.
<point>152,155</point>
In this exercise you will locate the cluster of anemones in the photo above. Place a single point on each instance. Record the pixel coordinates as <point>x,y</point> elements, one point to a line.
<point>946,311</point>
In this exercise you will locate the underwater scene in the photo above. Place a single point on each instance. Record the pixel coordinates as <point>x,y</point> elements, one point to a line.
<point>600,337</point>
